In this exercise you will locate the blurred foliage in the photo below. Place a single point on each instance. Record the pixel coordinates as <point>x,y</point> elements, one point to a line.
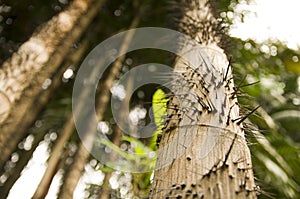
<point>274,133</point>
<point>276,150</point>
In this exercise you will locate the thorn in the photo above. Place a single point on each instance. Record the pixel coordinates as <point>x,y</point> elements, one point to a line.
<point>219,84</point>
<point>213,78</point>
<point>229,150</point>
<point>192,120</point>
<point>211,106</point>
<point>228,116</point>
<point>228,81</point>
<point>227,70</point>
<point>225,100</point>
<point>222,112</point>
<point>250,84</point>
<point>246,116</point>
<point>200,100</point>
<point>236,89</point>
<point>220,119</point>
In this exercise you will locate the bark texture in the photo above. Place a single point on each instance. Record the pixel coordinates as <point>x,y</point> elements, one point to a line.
<point>28,73</point>
<point>203,152</point>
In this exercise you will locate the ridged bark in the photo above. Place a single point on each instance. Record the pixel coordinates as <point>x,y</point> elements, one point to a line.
<point>32,67</point>
<point>203,152</point>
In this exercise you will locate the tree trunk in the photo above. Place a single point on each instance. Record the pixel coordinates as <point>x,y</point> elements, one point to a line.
<point>104,191</point>
<point>53,161</point>
<point>27,74</point>
<point>74,173</point>
<point>63,138</point>
<point>203,152</point>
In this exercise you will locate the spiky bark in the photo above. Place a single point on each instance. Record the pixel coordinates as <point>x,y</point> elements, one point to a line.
<point>203,152</point>
<point>22,76</point>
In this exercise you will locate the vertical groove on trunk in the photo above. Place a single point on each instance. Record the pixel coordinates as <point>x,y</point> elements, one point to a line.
<point>203,152</point>
<point>22,76</point>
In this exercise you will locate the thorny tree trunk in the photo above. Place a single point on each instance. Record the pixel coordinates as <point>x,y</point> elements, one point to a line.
<point>203,152</point>
<point>27,74</point>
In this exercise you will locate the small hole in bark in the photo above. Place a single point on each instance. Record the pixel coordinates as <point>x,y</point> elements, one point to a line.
<point>183,185</point>
<point>242,186</point>
<point>189,158</point>
<point>178,196</point>
<point>189,191</point>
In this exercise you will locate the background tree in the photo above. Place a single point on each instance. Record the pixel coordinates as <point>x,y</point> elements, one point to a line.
<point>272,131</point>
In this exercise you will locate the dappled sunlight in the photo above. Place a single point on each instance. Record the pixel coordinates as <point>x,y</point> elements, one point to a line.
<point>34,170</point>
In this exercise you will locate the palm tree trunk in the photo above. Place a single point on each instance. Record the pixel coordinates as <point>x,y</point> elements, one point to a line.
<point>37,61</point>
<point>203,152</point>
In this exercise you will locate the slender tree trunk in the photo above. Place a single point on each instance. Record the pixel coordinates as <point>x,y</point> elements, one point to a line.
<point>33,65</point>
<point>64,136</point>
<point>53,161</point>
<point>74,173</point>
<point>105,189</point>
<point>203,152</point>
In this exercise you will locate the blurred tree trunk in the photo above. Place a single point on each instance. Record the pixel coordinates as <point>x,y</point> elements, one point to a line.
<point>74,173</point>
<point>203,152</point>
<point>105,189</point>
<point>64,135</point>
<point>26,79</point>
<point>24,156</point>
<point>54,160</point>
